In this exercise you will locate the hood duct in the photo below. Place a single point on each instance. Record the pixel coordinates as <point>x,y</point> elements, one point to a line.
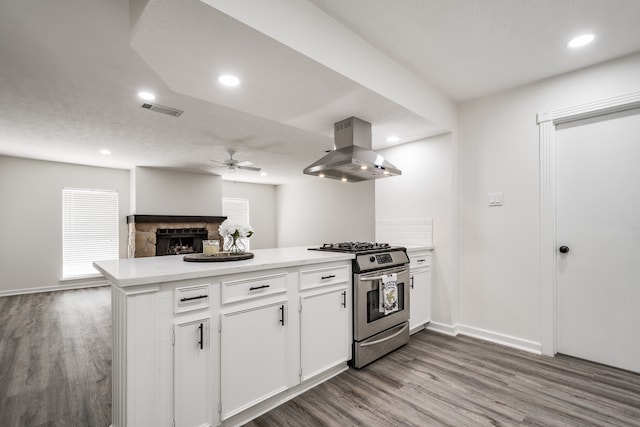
<point>352,160</point>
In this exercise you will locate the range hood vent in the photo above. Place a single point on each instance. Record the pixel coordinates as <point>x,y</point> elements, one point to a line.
<point>352,160</point>
<point>162,109</point>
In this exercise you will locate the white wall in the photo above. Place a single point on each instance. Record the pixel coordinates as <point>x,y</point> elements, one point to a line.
<point>426,189</point>
<point>262,210</point>
<point>156,191</point>
<point>31,218</point>
<point>499,256</point>
<point>316,210</point>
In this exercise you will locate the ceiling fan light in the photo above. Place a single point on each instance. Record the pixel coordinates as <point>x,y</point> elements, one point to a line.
<point>233,165</point>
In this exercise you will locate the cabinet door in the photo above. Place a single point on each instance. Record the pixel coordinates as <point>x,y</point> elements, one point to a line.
<point>192,374</point>
<point>420,298</point>
<point>323,330</point>
<point>253,356</point>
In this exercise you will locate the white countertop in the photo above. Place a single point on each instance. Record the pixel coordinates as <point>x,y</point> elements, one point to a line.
<point>143,271</point>
<point>415,248</point>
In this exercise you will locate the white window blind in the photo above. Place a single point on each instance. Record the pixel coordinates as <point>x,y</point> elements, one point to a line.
<point>89,230</point>
<point>237,210</point>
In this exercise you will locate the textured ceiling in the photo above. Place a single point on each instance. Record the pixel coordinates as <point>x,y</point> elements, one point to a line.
<point>70,69</point>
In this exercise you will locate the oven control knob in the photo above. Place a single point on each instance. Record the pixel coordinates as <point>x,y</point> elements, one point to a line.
<point>372,258</point>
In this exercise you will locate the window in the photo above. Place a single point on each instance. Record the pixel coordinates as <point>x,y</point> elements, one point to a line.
<point>238,210</point>
<point>89,230</point>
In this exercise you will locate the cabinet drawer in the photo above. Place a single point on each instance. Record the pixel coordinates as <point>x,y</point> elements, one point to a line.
<point>190,298</point>
<point>419,260</point>
<point>253,287</point>
<point>324,276</point>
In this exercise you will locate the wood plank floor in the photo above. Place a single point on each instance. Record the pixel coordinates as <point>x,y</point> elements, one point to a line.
<point>437,380</point>
<point>55,359</point>
<point>55,370</point>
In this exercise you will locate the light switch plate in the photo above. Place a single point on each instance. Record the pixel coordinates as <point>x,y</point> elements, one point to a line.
<point>495,199</point>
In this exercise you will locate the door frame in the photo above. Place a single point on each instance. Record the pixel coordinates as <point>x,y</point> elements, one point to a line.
<point>547,121</point>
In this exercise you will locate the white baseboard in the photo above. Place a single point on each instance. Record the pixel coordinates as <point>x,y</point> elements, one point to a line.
<point>417,329</point>
<point>442,328</point>
<point>498,338</point>
<point>62,287</point>
<point>483,334</point>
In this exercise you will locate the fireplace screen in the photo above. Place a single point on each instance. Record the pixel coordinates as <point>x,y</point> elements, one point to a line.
<point>176,241</point>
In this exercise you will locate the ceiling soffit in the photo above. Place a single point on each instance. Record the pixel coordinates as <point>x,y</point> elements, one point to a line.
<point>188,44</point>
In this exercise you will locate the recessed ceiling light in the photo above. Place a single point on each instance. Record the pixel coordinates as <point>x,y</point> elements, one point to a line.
<point>393,138</point>
<point>105,151</point>
<point>229,80</point>
<point>321,175</point>
<point>147,96</point>
<point>582,40</point>
<point>263,173</point>
<point>363,167</point>
<point>344,180</point>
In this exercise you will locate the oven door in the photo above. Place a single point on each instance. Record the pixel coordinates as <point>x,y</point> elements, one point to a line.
<point>369,317</point>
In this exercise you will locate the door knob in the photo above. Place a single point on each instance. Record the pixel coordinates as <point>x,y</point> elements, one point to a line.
<point>564,249</point>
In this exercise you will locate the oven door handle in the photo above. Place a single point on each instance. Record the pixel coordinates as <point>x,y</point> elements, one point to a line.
<point>390,337</point>
<point>373,278</point>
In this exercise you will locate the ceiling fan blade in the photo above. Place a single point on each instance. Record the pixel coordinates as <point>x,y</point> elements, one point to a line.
<point>249,168</point>
<point>217,161</point>
<point>244,163</point>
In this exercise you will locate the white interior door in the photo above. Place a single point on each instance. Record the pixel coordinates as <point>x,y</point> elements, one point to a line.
<point>598,219</point>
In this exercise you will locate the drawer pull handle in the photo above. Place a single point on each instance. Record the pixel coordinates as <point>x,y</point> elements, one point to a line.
<point>192,298</point>
<point>253,288</point>
<point>421,260</point>
<point>331,276</point>
<point>374,278</point>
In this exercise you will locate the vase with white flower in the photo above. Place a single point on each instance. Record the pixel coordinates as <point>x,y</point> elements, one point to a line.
<point>233,232</point>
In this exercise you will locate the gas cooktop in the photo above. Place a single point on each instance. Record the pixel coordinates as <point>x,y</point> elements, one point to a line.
<point>355,247</point>
<point>369,256</point>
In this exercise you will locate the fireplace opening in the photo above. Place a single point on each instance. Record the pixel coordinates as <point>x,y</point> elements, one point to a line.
<point>176,241</point>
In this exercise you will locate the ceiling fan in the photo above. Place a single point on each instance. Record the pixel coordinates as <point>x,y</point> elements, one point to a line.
<point>234,164</point>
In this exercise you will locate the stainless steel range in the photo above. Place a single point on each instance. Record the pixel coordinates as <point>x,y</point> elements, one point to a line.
<point>380,298</point>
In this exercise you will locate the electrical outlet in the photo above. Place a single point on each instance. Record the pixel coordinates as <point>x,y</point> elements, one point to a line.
<point>495,199</point>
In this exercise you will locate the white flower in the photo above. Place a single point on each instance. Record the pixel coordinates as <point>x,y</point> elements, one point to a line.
<point>234,228</point>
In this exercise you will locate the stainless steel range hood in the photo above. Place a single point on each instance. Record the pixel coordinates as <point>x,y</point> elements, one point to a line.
<point>352,160</point>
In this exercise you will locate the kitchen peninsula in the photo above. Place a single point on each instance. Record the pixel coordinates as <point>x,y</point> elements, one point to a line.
<point>219,343</point>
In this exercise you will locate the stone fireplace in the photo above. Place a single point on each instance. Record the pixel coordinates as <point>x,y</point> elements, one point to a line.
<point>178,241</point>
<point>157,235</point>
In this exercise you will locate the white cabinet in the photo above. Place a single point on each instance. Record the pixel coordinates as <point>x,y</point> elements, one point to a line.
<point>420,267</point>
<point>325,319</point>
<point>244,289</point>
<point>192,374</point>
<point>253,344</point>
<point>324,330</point>
<point>225,348</point>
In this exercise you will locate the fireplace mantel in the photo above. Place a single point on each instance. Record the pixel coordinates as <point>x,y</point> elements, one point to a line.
<point>173,218</point>
<point>143,228</point>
